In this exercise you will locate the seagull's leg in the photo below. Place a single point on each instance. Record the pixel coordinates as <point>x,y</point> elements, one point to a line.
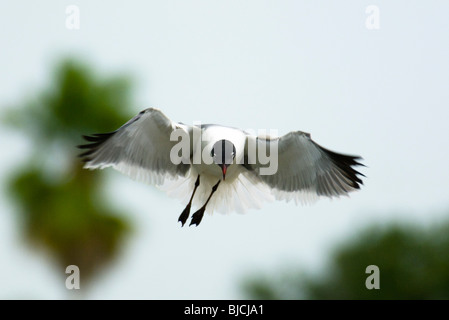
<point>197,216</point>
<point>185,214</point>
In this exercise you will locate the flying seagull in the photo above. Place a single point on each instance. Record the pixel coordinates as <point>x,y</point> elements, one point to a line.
<point>222,168</point>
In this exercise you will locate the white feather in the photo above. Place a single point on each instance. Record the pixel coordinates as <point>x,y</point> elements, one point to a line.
<point>240,195</point>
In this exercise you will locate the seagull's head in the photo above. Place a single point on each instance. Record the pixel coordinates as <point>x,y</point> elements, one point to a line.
<point>223,154</point>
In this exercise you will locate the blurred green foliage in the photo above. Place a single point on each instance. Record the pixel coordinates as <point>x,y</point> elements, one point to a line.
<point>413,264</point>
<point>61,206</point>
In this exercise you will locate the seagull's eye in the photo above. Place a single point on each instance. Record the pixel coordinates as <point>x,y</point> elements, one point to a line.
<point>212,153</point>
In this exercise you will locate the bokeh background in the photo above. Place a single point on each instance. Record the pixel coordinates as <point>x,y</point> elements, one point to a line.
<point>287,65</point>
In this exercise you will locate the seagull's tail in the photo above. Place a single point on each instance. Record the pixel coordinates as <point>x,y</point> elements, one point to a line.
<point>244,193</point>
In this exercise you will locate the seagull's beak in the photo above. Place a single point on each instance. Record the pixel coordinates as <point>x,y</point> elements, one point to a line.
<point>224,168</point>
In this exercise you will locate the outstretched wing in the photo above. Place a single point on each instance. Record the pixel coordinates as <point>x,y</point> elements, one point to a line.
<point>140,148</point>
<point>305,169</point>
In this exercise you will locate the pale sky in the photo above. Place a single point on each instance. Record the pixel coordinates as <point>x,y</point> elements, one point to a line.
<point>286,65</point>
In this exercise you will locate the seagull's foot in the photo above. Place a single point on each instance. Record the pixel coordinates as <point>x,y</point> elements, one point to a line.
<point>198,216</point>
<point>184,215</point>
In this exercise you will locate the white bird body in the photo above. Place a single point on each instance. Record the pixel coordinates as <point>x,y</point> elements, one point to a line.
<point>221,165</point>
<point>236,192</point>
<point>203,147</point>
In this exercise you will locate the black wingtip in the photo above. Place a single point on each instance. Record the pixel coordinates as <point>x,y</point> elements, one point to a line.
<point>346,164</point>
<point>95,140</point>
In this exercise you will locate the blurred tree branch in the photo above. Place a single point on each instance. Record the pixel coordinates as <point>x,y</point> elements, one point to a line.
<point>62,208</point>
<point>413,264</point>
